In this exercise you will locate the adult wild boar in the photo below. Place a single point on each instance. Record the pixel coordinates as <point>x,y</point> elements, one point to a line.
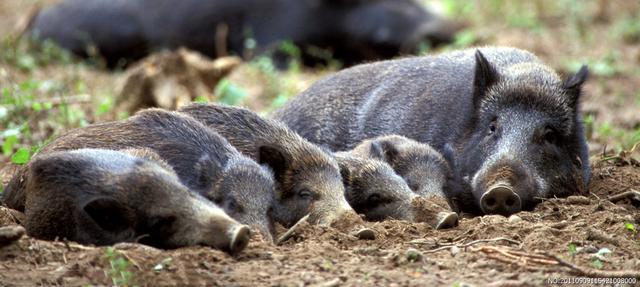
<point>352,30</point>
<point>102,197</point>
<point>204,161</point>
<point>307,177</point>
<point>514,125</point>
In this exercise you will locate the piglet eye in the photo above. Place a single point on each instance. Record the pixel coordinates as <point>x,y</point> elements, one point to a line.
<point>305,194</point>
<point>492,128</point>
<point>374,198</point>
<point>550,136</point>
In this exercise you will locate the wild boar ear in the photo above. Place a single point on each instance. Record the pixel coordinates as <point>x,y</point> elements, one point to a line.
<point>275,158</point>
<point>345,173</point>
<point>111,215</point>
<point>385,151</point>
<point>573,84</point>
<point>485,76</point>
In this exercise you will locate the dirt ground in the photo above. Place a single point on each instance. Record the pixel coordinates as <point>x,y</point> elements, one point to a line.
<point>588,230</point>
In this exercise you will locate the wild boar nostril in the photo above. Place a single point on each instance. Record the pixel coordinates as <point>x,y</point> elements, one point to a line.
<point>510,202</point>
<point>490,202</point>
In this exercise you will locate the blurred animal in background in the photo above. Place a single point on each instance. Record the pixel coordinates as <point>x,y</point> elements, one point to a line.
<point>350,31</point>
<point>170,80</point>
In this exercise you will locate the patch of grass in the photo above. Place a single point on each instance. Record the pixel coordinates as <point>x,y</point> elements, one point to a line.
<point>28,54</point>
<point>228,93</point>
<point>573,249</point>
<point>608,66</point>
<point>31,112</point>
<point>119,268</point>
<point>627,29</point>
<point>631,228</point>
<point>620,139</point>
<point>278,86</point>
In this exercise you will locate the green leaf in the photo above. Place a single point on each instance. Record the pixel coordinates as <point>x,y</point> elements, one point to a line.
<point>201,99</point>
<point>573,250</point>
<point>629,226</point>
<point>104,107</point>
<point>36,107</point>
<point>21,156</point>
<point>597,263</point>
<point>9,142</point>
<point>229,93</point>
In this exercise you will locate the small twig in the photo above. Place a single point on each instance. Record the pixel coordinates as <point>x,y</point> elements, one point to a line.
<point>589,272</point>
<point>462,236</point>
<point>632,193</point>
<point>474,243</point>
<point>513,256</point>
<point>124,254</point>
<point>291,230</point>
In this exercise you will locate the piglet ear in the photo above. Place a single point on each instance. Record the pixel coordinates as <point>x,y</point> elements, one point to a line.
<point>485,76</point>
<point>573,84</point>
<point>345,172</point>
<point>276,159</point>
<point>111,215</point>
<point>385,151</point>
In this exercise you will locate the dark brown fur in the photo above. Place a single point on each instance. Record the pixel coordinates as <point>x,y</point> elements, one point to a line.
<point>101,197</point>
<point>307,177</point>
<point>204,161</point>
<point>491,105</point>
<point>372,188</point>
<point>423,168</point>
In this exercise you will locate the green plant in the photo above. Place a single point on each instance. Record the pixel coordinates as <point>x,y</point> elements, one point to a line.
<point>597,259</point>
<point>229,93</point>
<point>118,268</point>
<point>631,228</point>
<point>28,53</point>
<point>294,55</point>
<point>573,249</point>
<point>628,29</point>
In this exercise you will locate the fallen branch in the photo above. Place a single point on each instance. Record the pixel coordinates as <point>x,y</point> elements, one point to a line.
<point>461,246</point>
<point>589,272</point>
<point>291,230</point>
<point>631,194</point>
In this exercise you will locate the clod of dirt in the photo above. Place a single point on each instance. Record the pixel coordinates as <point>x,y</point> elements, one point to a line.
<point>171,79</point>
<point>10,234</point>
<point>366,234</point>
<point>578,199</point>
<point>413,255</point>
<point>435,211</point>
<point>10,217</point>
<point>347,221</point>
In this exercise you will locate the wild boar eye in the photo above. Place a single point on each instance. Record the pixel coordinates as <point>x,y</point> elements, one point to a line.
<point>305,194</point>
